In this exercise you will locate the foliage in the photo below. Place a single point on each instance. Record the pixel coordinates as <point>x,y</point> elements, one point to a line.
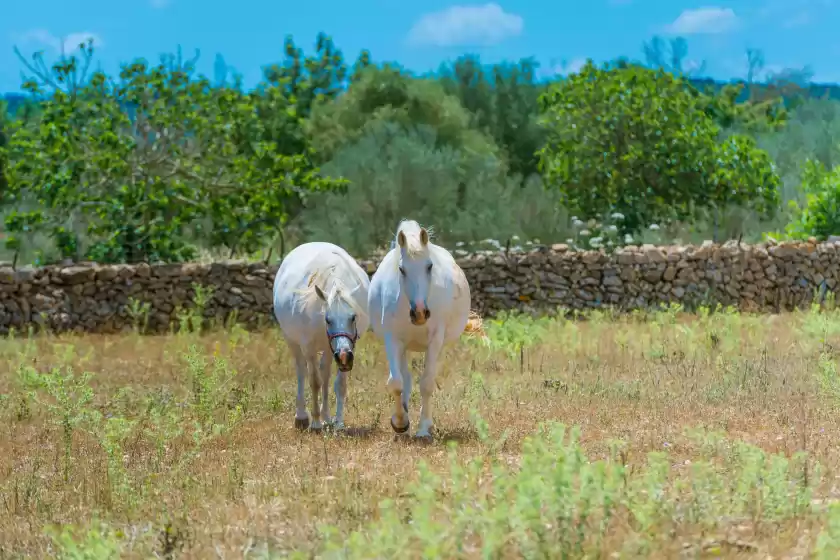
<point>820,215</point>
<point>308,80</point>
<point>560,503</point>
<point>4,126</point>
<point>395,173</point>
<point>219,169</point>
<point>141,160</point>
<point>644,138</point>
<point>388,95</point>
<point>503,100</point>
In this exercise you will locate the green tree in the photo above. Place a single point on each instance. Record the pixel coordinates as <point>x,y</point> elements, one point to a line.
<point>140,161</point>
<point>671,57</point>
<point>503,100</point>
<point>394,173</point>
<point>819,216</point>
<point>4,126</point>
<point>387,94</point>
<point>311,79</point>
<point>639,142</point>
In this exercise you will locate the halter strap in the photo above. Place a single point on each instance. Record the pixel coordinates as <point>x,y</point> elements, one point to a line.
<point>353,337</point>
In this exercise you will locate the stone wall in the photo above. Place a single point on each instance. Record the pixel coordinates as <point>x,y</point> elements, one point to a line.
<point>768,277</point>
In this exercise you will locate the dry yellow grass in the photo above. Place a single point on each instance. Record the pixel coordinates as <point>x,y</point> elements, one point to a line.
<point>210,451</point>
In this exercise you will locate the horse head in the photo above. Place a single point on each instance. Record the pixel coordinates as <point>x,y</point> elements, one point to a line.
<point>415,266</point>
<point>342,332</point>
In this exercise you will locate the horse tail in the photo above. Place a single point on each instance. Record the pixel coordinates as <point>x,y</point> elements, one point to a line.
<point>475,325</point>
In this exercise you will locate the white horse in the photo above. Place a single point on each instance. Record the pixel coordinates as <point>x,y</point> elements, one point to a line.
<point>419,300</point>
<point>320,302</point>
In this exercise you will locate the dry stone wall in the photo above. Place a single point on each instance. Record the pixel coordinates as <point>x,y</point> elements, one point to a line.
<point>767,277</point>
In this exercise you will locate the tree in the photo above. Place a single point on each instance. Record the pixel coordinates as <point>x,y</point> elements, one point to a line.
<point>141,160</point>
<point>639,142</point>
<point>396,173</point>
<point>820,215</point>
<point>389,95</point>
<point>310,79</point>
<point>503,100</point>
<point>671,58</point>
<point>4,126</point>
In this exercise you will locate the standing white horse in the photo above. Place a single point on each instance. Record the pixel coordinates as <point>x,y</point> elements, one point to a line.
<point>320,302</point>
<point>419,300</point>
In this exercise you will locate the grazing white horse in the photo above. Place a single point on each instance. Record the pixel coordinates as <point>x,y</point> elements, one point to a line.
<point>419,300</point>
<point>320,302</point>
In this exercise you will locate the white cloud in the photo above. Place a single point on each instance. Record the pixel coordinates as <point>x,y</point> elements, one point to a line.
<point>709,20</point>
<point>485,24</point>
<point>70,42</point>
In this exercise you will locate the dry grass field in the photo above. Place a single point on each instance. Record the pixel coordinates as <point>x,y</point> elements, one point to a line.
<point>659,436</point>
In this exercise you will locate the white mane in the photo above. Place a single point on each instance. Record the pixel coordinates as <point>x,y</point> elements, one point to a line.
<point>332,286</point>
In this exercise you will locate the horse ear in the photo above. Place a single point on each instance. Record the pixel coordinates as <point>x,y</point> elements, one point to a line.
<point>424,236</point>
<point>320,293</point>
<point>401,239</point>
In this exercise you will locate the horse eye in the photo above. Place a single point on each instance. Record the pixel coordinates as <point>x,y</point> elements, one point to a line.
<point>429,268</point>
<point>353,319</point>
<point>329,322</point>
<point>402,271</point>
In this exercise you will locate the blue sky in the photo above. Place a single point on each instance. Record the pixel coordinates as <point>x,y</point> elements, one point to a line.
<point>560,34</point>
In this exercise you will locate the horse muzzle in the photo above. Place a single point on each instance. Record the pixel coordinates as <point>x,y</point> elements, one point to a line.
<point>344,359</point>
<point>419,317</point>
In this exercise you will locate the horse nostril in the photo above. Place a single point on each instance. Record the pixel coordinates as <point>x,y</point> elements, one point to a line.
<point>412,313</point>
<point>428,313</point>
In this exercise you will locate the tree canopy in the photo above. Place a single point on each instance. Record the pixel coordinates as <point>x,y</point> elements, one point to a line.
<point>140,161</point>
<point>639,142</point>
<point>159,163</point>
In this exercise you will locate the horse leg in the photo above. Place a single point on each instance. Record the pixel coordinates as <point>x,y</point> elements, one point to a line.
<point>427,384</point>
<point>340,397</point>
<point>395,351</point>
<point>325,372</point>
<point>315,387</point>
<point>407,380</point>
<point>301,417</point>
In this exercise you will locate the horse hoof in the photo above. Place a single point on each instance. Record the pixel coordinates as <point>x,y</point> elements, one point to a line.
<point>424,438</point>
<point>402,430</point>
<point>301,423</point>
<point>316,427</point>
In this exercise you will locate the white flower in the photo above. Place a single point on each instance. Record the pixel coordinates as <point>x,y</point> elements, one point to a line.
<point>618,216</point>
<point>653,227</point>
<point>612,229</point>
<point>595,242</point>
<point>585,232</point>
<point>577,223</point>
<point>628,238</point>
<point>570,241</point>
